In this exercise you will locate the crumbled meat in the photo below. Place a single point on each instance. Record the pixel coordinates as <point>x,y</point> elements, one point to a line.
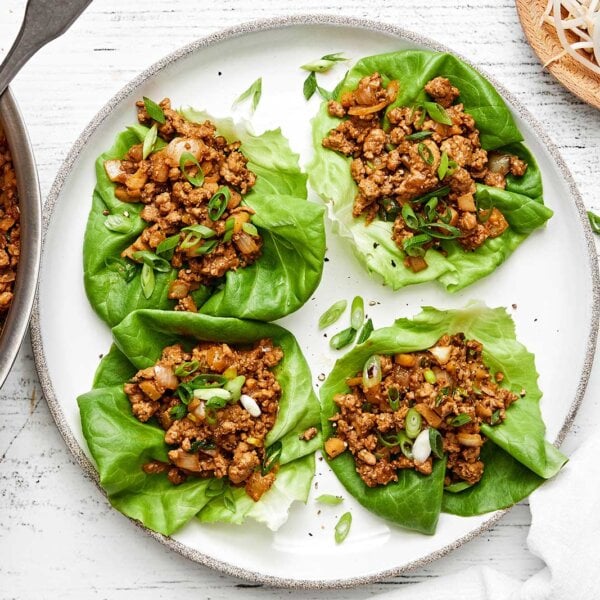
<point>396,163</point>
<point>10,229</point>
<point>451,389</point>
<point>309,434</point>
<point>206,220</point>
<point>219,441</point>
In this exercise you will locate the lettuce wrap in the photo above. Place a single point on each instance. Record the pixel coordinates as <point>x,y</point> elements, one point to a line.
<point>292,229</point>
<point>516,456</point>
<point>521,203</point>
<point>120,444</point>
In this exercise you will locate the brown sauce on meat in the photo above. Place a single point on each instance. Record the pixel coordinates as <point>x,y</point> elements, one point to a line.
<point>10,229</point>
<point>172,202</point>
<point>450,388</point>
<point>207,439</point>
<point>397,155</point>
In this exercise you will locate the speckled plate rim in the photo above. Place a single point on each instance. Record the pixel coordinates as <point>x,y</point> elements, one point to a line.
<point>241,30</point>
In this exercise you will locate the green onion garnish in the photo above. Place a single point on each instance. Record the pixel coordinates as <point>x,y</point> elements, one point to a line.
<point>429,209</point>
<point>419,135</point>
<point>234,387</point>
<point>117,265</point>
<point>414,246</point>
<point>342,527</point>
<point>436,443</point>
<point>425,153</point>
<point>155,112</point>
<point>409,216</point>
<point>149,141</point>
<point>495,418</point>
<point>201,445</point>
<point>147,280</point>
<point>357,313</point>
<point>365,332</point>
<point>594,220</point>
<point>118,223</point>
<point>184,160</point>
<point>206,247</point>
<point>440,192</point>
<point>156,263</point>
<point>272,456</point>
<point>484,205</point>
<point>250,229</point>
<point>218,203</point>
<point>437,112</point>
<point>216,402</point>
<point>429,376</point>
<point>394,398</point>
<point>166,248</point>
<point>460,420</point>
<point>413,423</point>
<point>443,168</point>
<point>343,338</point>
<point>200,231</point>
<point>311,86</point>
<point>442,231</point>
<point>186,368</point>
<point>329,499</point>
<point>178,412</point>
<point>405,444</point>
<point>229,225</point>
<point>459,486</point>
<point>332,314</point>
<point>371,375</point>
<point>254,92</point>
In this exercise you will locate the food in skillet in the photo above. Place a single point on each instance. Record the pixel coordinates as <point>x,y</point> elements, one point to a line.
<point>438,413</point>
<point>200,215</point>
<point>422,164</point>
<point>10,230</point>
<point>199,416</point>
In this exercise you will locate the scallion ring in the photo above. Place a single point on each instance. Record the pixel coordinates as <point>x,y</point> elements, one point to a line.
<point>365,332</point>
<point>149,141</point>
<point>343,338</point>
<point>394,398</point>
<point>342,527</point>
<point>425,153</point>
<point>218,203</point>
<point>272,456</point>
<point>436,443</point>
<point>332,314</point>
<point>184,160</point>
<point>413,421</point>
<point>372,372</point>
<point>409,216</point>
<point>357,313</point>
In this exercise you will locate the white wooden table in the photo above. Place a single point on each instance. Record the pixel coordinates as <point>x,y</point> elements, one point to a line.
<point>58,536</point>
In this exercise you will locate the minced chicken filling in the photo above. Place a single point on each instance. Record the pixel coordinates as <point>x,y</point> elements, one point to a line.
<point>418,166</point>
<point>192,190</point>
<point>446,388</point>
<point>216,404</point>
<point>10,229</point>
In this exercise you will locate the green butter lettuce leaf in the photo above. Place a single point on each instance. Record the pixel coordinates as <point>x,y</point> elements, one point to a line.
<point>120,444</point>
<point>292,228</point>
<point>521,202</point>
<point>517,459</point>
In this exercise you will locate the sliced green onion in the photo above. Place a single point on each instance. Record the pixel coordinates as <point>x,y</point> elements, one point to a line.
<point>459,486</point>
<point>186,368</point>
<point>318,66</point>
<point>439,193</point>
<point>372,372</point>
<point>214,488</point>
<point>441,394</point>
<point>216,402</point>
<point>437,112</point>
<point>343,338</point>
<point>147,280</point>
<point>342,527</point>
<point>184,160</point>
<point>429,376</point>
<point>405,444</point>
<point>310,86</point>
<point>118,223</point>
<point>436,443</point>
<point>156,263</point>
<point>335,57</point>
<point>272,456</point>
<point>254,92</point>
<point>234,387</point>
<point>212,392</point>
<point>218,203</point>
<point>365,332</point>
<point>429,209</point>
<point>149,141</point>
<point>206,248</point>
<point>409,216</point>
<point>332,314</point>
<point>425,153</point>
<point>389,441</point>
<point>594,220</point>
<point>200,231</point>
<point>443,168</point>
<point>178,412</point>
<point>201,445</point>
<point>250,229</point>
<point>394,398</point>
<point>155,112</point>
<point>117,265</point>
<point>419,135</point>
<point>357,313</point>
<point>484,205</point>
<point>167,247</point>
<point>413,246</point>
<point>459,420</point>
<point>442,231</point>
<point>329,499</point>
<point>413,423</point>
<point>229,225</point>
<point>495,418</point>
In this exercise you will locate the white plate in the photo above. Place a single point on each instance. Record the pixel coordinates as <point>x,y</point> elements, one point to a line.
<point>550,283</point>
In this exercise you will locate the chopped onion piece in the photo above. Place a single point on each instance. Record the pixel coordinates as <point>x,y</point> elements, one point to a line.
<point>421,447</point>
<point>249,403</point>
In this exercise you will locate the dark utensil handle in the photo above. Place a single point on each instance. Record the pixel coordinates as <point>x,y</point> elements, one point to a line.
<point>44,21</point>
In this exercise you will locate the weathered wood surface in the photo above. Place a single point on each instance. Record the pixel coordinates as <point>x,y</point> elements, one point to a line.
<point>58,536</point>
